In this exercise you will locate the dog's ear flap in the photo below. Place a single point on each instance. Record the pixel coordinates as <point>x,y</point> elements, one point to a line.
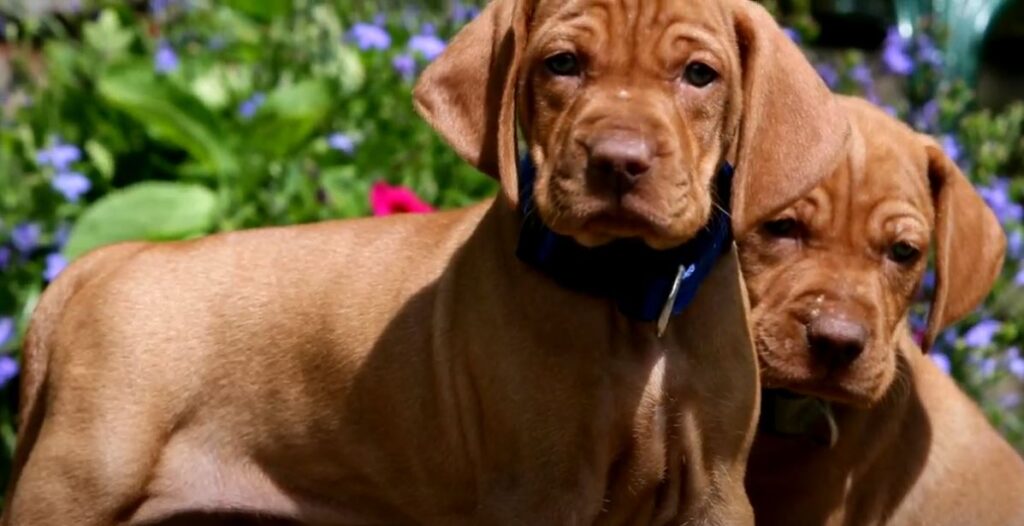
<point>468,94</point>
<point>969,244</point>
<point>792,132</point>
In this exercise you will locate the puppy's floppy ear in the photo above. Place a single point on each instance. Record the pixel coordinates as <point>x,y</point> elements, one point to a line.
<point>792,131</point>
<point>468,93</point>
<point>969,244</point>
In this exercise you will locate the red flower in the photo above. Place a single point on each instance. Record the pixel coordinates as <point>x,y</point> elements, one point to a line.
<point>386,200</point>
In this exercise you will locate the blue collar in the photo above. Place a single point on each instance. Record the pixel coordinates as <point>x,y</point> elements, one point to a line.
<point>638,278</point>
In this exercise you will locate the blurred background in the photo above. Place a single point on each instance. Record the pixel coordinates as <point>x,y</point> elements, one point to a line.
<point>170,119</point>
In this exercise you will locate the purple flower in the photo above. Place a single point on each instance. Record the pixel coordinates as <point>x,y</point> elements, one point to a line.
<point>8,370</point>
<point>428,45</point>
<point>250,106</point>
<point>342,142</point>
<point>159,8</point>
<point>5,257</point>
<point>462,13</point>
<point>60,237</point>
<point>1019,278</point>
<point>165,60</point>
<point>941,361</point>
<point>370,36</point>
<point>405,65</point>
<point>1015,244</point>
<point>25,237</point>
<point>793,34</point>
<point>927,117</point>
<point>55,264</point>
<point>997,195</point>
<point>1010,400</point>
<point>951,146</point>
<point>6,329</point>
<point>828,74</point>
<point>60,156</point>
<point>894,54</point>
<point>987,367</point>
<point>861,74</point>
<point>928,52</point>
<point>982,334</point>
<point>892,111</point>
<point>72,185</point>
<point>1015,362</point>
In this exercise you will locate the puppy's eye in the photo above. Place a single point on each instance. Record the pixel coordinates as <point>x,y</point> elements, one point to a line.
<point>787,227</point>
<point>699,74</point>
<point>903,253</point>
<point>563,64</point>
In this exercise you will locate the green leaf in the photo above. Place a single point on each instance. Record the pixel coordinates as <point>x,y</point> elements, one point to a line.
<point>106,34</point>
<point>152,211</point>
<point>101,158</point>
<point>169,114</point>
<point>289,116</point>
<point>265,10</point>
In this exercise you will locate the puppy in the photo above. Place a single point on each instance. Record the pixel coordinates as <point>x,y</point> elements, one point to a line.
<point>875,433</point>
<point>409,370</point>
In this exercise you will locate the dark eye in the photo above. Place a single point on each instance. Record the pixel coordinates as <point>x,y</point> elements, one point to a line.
<point>903,252</point>
<point>563,64</point>
<point>699,74</point>
<point>782,227</point>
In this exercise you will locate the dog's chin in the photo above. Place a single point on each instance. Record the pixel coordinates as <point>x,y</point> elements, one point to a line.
<point>599,222</point>
<point>854,386</point>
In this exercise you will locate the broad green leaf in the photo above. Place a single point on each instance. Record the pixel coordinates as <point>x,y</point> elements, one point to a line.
<point>289,116</point>
<point>101,158</point>
<point>106,34</point>
<point>169,114</point>
<point>152,211</point>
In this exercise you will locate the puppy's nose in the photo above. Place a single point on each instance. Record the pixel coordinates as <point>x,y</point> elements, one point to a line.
<point>624,155</point>
<point>836,341</point>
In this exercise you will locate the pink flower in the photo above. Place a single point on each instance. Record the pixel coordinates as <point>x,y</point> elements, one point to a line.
<point>386,200</point>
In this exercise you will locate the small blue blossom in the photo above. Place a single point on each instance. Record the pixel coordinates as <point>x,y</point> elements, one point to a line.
<point>6,329</point>
<point>894,53</point>
<point>8,370</point>
<point>342,142</point>
<point>405,65</point>
<point>72,185</point>
<point>941,361</point>
<point>927,117</point>
<point>55,264</point>
<point>60,156</point>
<point>428,45</point>
<point>793,34</point>
<point>5,257</point>
<point>828,74</point>
<point>928,52</point>
<point>159,8</point>
<point>25,237</point>
<point>1015,362</point>
<point>462,13</point>
<point>997,195</point>
<point>861,74</point>
<point>60,237</point>
<point>1019,278</point>
<point>987,367</point>
<point>250,106</point>
<point>1010,400</point>
<point>1015,244</point>
<point>166,59</point>
<point>891,110</point>
<point>370,36</point>
<point>983,334</point>
<point>951,146</point>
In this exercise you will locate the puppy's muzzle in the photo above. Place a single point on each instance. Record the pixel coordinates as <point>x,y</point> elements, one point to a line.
<point>618,159</point>
<point>836,341</point>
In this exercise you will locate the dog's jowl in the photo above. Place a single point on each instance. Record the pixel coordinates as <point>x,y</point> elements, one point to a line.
<point>414,370</point>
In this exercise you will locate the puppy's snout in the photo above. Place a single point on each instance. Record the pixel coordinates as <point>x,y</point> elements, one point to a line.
<point>835,340</point>
<point>623,156</point>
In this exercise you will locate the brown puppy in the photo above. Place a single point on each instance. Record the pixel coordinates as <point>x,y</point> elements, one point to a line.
<point>410,370</point>
<point>830,282</point>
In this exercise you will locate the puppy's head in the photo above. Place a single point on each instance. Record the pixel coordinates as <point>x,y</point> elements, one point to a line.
<point>832,277</point>
<point>629,108</point>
